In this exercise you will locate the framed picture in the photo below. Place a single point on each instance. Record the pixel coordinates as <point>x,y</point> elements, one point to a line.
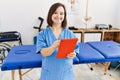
<point>73,6</point>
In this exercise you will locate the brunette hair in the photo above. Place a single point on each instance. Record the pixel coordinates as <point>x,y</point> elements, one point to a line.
<point>51,12</point>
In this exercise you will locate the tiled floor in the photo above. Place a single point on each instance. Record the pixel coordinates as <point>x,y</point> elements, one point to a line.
<point>82,72</point>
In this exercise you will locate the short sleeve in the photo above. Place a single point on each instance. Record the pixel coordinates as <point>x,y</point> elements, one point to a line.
<point>41,42</point>
<point>77,49</point>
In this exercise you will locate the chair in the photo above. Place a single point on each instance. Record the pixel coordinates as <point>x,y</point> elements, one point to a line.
<point>2,55</point>
<point>10,36</point>
<point>7,37</point>
<point>3,48</point>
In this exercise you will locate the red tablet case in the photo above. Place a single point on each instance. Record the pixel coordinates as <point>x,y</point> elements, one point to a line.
<point>66,46</point>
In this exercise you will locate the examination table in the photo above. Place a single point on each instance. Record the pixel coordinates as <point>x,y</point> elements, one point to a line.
<point>24,57</point>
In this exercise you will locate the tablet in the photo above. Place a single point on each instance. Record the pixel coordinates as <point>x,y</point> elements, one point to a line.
<point>66,46</point>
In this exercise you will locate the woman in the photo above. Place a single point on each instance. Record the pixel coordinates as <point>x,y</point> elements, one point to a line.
<point>48,41</point>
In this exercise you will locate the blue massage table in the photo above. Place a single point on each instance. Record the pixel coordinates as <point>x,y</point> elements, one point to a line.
<point>24,57</point>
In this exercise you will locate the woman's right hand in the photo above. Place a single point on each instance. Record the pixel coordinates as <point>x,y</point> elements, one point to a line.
<point>49,50</point>
<point>56,44</point>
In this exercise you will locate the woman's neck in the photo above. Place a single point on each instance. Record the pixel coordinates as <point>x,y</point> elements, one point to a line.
<point>56,27</point>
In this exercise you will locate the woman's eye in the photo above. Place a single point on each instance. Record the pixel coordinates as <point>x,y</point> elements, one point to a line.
<point>55,12</point>
<point>61,13</point>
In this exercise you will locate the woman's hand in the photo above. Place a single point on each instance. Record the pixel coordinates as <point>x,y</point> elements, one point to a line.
<point>56,44</point>
<point>71,55</point>
<point>49,50</point>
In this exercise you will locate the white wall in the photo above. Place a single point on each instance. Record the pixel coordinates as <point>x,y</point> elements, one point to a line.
<point>21,15</point>
<point>118,15</point>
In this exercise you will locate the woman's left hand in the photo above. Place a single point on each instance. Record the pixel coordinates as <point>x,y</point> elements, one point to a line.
<point>71,55</point>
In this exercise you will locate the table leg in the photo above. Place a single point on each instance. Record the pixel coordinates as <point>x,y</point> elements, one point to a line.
<point>12,73</point>
<point>20,74</point>
<point>107,64</point>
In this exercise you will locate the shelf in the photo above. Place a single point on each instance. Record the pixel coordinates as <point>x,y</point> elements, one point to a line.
<point>111,34</point>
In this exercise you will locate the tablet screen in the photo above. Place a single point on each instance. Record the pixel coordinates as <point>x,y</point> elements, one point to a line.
<point>66,46</point>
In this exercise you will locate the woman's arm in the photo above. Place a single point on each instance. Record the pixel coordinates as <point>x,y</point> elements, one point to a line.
<point>49,50</point>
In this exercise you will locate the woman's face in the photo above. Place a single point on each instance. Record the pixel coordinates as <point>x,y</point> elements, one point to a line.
<point>58,15</point>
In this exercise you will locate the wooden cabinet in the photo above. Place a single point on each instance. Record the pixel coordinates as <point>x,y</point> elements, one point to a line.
<point>111,34</point>
<point>90,37</point>
<point>78,35</point>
